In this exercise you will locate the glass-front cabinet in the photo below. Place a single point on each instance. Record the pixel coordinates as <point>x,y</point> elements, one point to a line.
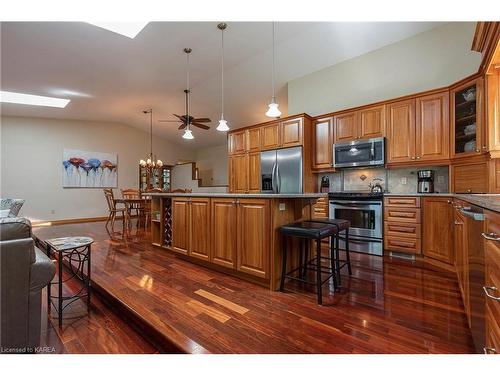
<point>155,179</point>
<point>468,135</point>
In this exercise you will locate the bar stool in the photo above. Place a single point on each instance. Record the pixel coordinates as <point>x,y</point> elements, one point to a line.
<point>309,231</point>
<point>342,225</point>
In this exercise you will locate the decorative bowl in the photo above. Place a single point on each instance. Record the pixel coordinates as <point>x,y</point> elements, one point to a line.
<point>469,95</point>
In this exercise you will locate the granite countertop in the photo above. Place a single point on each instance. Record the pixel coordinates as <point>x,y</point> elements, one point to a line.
<point>487,201</point>
<point>232,195</point>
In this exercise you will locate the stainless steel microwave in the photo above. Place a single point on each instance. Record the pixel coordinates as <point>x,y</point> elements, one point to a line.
<point>360,153</point>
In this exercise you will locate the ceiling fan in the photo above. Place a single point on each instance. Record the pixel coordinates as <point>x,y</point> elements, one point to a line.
<point>187,120</point>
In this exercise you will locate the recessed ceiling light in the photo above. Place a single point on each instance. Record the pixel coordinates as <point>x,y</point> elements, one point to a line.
<point>128,29</point>
<point>18,98</point>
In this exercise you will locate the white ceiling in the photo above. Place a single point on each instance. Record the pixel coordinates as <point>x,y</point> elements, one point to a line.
<point>109,77</point>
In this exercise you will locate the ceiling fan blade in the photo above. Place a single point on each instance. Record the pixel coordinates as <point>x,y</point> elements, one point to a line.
<point>179,117</point>
<point>168,120</point>
<point>202,119</point>
<point>182,126</point>
<point>202,126</point>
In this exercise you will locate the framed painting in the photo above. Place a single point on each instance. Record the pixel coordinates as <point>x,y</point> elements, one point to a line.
<point>89,169</point>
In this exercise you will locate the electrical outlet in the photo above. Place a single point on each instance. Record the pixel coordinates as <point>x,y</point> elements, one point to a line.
<point>282,207</point>
<point>403,181</point>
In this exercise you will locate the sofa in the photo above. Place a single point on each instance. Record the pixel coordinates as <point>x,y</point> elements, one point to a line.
<point>24,271</point>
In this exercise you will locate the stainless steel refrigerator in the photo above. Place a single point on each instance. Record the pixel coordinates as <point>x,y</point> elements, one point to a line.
<point>281,170</point>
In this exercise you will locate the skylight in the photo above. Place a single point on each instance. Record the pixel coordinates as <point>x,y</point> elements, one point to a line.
<point>128,29</point>
<point>18,98</point>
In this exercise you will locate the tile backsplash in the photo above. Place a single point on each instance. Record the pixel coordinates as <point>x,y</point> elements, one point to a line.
<point>392,179</point>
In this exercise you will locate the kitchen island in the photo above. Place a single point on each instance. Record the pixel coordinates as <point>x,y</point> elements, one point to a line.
<point>232,233</point>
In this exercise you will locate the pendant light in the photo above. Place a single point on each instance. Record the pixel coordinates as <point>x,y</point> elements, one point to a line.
<point>273,110</point>
<point>151,161</point>
<point>222,127</point>
<point>188,134</point>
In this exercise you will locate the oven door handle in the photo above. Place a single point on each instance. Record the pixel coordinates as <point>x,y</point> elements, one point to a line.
<point>362,240</point>
<point>351,203</point>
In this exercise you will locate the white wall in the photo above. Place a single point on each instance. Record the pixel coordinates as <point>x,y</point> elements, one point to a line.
<point>428,60</point>
<point>182,178</point>
<point>31,157</point>
<point>212,165</point>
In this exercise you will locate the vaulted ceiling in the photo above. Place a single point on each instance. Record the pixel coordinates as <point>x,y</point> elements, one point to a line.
<point>109,77</point>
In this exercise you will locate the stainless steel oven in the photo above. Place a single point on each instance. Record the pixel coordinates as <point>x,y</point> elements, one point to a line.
<point>361,153</point>
<point>364,212</point>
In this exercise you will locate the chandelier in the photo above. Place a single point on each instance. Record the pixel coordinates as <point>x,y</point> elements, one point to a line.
<point>151,161</point>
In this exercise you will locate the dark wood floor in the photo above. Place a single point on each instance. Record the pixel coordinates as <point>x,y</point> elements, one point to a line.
<point>387,306</point>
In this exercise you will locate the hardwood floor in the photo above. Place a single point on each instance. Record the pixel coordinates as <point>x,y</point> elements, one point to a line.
<point>387,306</point>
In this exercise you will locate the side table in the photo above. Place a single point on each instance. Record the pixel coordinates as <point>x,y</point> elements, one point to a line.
<point>76,251</point>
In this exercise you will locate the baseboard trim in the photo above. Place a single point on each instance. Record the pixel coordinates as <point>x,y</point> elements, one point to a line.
<point>68,221</point>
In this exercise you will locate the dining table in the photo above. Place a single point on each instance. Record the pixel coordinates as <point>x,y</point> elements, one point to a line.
<point>132,203</point>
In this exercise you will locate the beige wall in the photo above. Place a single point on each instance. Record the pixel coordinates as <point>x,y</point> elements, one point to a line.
<point>428,60</point>
<point>212,165</point>
<point>31,157</point>
<point>182,178</point>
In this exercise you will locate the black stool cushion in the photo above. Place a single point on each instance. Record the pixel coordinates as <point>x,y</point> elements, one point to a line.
<point>309,229</point>
<point>340,223</point>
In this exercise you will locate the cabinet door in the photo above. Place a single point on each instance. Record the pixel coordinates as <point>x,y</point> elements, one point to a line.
<point>199,222</point>
<point>180,225</point>
<point>470,178</point>
<point>432,128</point>
<point>254,234</point>
<point>400,132</point>
<point>237,142</point>
<point>372,122</point>
<point>269,136</point>
<point>462,263</point>
<point>224,232</point>
<point>254,172</point>
<point>323,143</point>
<point>346,127</point>
<point>437,224</point>
<point>253,139</point>
<point>291,132</point>
<point>239,173</point>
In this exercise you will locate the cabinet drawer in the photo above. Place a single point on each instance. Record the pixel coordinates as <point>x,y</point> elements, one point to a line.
<point>404,215</point>
<point>403,201</point>
<point>402,244</point>
<point>407,230</point>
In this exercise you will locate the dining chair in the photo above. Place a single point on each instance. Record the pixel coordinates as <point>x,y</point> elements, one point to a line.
<point>140,208</point>
<point>113,210</point>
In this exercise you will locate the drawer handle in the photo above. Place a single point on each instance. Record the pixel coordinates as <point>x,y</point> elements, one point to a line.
<point>401,214</point>
<point>402,244</point>
<point>488,350</point>
<point>487,288</point>
<point>458,223</point>
<point>400,201</point>
<point>402,229</point>
<point>491,236</point>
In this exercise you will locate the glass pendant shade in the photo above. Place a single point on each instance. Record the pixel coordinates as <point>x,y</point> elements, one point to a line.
<point>222,127</point>
<point>188,134</point>
<point>273,110</point>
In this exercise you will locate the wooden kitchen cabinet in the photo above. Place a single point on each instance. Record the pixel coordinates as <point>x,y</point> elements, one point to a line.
<point>323,143</point>
<point>346,127</point>
<point>254,172</point>
<point>180,225</point>
<point>239,173</point>
<point>254,232</point>
<point>224,232</point>
<point>437,229</point>
<point>199,228</point>
<point>237,142</point>
<point>270,136</point>
<point>291,132</point>
<point>253,137</point>
<point>462,259</point>
<point>402,224</point>
<point>432,127</point>
<point>372,122</point>
<point>400,131</point>
<point>470,177</point>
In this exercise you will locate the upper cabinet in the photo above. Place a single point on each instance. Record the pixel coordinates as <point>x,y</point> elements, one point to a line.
<point>323,143</point>
<point>432,127</point>
<point>253,136</point>
<point>237,142</point>
<point>371,122</point>
<point>468,131</point>
<point>346,127</point>
<point>270,136</point>
<point>291,132</point>
<point>417,130</point>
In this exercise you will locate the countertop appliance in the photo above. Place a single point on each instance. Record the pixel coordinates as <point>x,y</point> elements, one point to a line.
<point>425,181</point>
<point>364,210</point>
<point>325,184</point>
<point>281,170</point>
<point>360,153</point>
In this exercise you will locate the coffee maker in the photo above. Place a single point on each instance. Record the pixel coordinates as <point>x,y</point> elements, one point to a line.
<point>425,181</point>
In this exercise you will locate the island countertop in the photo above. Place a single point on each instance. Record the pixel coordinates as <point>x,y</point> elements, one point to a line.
<point>234,195</point>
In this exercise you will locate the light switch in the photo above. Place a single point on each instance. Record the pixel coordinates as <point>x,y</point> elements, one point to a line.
<point>282,207</point>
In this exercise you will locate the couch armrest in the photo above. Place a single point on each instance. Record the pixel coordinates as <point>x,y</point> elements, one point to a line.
<point>42,271</point>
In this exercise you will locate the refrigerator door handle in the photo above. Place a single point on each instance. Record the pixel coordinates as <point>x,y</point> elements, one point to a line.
<point>273,175</point>
<point>278,178</point>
